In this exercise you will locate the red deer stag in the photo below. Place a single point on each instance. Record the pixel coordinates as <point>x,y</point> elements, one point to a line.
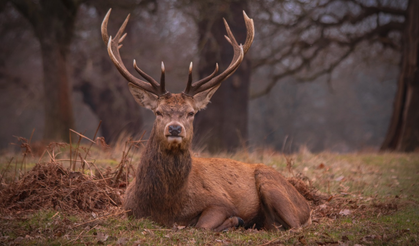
<point>171,186</point>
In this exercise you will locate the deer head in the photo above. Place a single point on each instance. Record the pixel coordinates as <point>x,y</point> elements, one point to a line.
<point>175,113</point>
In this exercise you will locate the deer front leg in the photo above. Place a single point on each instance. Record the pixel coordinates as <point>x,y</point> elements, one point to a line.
<point>229,223</point>
<point>217,219</point>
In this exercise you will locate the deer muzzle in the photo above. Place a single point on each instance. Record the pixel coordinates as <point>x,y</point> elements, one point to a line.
<point>175,132</point>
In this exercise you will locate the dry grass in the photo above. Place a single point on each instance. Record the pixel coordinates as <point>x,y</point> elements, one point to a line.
<point>50,186</point>
<point>79,187</point>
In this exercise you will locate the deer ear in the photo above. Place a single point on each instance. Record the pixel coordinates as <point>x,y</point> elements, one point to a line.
<point>203,98</point>
<point>142,97</point>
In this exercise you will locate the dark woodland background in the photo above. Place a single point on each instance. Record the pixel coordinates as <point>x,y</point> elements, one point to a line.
<point>337,75</point>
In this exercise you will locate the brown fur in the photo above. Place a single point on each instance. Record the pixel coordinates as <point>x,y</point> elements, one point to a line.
<point>171,187</point>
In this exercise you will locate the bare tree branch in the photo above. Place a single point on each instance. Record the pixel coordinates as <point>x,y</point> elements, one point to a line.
<point>312,30</point>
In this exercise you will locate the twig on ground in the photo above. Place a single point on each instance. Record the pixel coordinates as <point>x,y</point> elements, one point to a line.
<point>82,136</point>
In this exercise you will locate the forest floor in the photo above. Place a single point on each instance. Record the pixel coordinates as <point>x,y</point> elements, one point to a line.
<point>48,198</point>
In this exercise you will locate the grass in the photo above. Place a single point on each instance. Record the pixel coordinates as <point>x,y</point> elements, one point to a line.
<point>373,200</point>
<point>43,228</point>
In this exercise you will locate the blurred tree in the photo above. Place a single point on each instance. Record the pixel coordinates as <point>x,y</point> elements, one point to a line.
<point>310,39</point>
<point>403,133</point>
<point>53,25</point>
<point>107,95</point>
<point>222,126</point>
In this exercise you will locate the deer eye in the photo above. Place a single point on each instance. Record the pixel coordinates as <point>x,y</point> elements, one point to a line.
<point>190,114</point>
<point>158,113</point>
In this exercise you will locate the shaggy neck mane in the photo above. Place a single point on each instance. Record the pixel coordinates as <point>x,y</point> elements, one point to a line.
<point>161,178</point>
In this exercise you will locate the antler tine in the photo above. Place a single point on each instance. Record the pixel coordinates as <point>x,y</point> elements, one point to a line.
<point>121,30</point>
<point>208,78</point>
<point>113,46</point>
<point>200,82</point>
<point>189,83</point>
<point>239,51</point>
<point>250,35</point>
<point>162,79</point>
<point>224,75</point>
<point>147,77</point>
<point>104,27</point>
<point>122,38</point>
<point>230,35</point>
<point>232,40</point>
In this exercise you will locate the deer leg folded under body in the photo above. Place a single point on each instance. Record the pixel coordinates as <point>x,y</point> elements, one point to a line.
<point>217,220</point>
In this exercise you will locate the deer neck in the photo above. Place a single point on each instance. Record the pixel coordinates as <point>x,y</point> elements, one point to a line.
<point>162,174</point>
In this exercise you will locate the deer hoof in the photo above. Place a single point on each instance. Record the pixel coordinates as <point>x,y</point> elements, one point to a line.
<point>240,222</point>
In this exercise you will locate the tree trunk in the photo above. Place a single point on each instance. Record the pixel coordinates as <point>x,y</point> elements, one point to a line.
<point>403,133</point>
<point>53,24</point>
<point>57,95</point>
<point>223,125</point>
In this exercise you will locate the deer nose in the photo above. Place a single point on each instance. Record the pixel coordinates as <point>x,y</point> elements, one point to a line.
<point>175,130</point>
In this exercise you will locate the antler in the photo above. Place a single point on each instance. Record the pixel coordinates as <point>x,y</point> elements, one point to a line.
<point>239,51</point>
<point>114,44</point>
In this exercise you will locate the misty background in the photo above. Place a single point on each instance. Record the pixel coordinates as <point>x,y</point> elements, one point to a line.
<point>346,109</point>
